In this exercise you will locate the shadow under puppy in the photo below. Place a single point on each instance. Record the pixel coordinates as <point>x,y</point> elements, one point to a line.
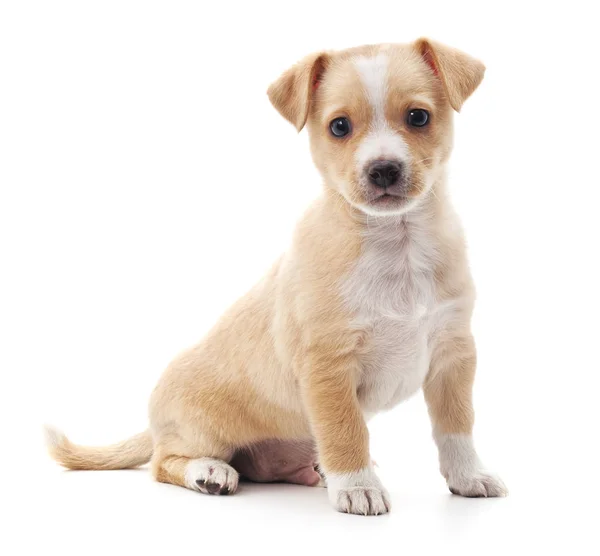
<point>372,301</point>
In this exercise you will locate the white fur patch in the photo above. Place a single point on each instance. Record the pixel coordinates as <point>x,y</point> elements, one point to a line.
<point>381,142</point>
<point>391,293</point>
<point>358,493</point>
<point>373,74</point>
<point>462,469</point>
<point>457,453</point>
<point>53,436</point>
<point>202,472</point>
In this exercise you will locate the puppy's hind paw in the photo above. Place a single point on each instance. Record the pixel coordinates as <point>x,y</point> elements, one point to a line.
<point>211,476</point>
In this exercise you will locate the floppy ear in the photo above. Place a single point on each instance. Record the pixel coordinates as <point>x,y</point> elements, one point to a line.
<point>292,93</point>
<point>460,73</point>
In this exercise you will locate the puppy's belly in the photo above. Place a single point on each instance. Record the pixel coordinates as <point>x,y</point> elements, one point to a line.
<point>290,461</point>
<point>394,365</point>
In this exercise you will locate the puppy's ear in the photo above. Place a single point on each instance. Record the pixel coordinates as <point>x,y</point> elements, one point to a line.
<point>292,93</point>
<point>460,73</point>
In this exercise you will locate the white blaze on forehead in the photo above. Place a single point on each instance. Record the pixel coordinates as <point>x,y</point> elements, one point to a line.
<point>381,142</point>
<point>373,74</point>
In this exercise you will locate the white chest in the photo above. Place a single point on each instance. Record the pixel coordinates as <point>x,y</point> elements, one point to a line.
<point>392,295</point>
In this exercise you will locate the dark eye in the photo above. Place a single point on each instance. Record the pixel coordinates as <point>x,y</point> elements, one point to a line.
<point>340,127</point>
<point>418,117</point>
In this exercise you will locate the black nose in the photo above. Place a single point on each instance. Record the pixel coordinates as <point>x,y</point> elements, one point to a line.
<point>384,173</point>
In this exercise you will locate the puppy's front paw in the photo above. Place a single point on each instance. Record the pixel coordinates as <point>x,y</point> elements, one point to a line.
<point>358,493</point>
<point>476,484</point>
<point>462,468</point>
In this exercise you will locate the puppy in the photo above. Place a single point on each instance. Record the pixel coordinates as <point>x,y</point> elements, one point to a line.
<point>372,301</point>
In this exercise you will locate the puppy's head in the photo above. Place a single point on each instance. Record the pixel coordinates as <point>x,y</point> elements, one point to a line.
<point>379,117</point>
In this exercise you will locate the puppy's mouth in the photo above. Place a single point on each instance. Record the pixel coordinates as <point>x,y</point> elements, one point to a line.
<point>395,199</point>
<point>388,201</point>
<point>395,195</point>
<point>388,195</point>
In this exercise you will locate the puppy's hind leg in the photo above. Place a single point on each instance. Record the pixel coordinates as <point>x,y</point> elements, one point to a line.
<point>203,468</point>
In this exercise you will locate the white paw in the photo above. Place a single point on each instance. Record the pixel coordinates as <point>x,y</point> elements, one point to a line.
<point>463,470</point>
<point>211,476</point>
<point>476,484</point>
<point>358,493</point>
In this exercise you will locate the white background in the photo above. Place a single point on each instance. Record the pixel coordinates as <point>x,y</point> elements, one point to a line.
<point>146,183</point>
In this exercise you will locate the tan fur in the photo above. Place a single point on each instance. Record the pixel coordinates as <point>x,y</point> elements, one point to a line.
<point>285,361</point>
<point>171,470</point>
<point>291,94</point>
<point>130,453</point>
<point>449,385</point>
<point>460,73</point>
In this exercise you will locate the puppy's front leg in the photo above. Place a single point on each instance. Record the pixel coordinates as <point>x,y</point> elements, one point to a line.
<point>342,437</point>
<point>448,395</point>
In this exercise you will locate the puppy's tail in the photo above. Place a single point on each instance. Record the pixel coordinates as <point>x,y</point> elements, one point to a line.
<point>132,452</point>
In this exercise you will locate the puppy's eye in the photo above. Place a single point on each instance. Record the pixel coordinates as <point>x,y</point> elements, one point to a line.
<point>418,117</point>
<point>340,127</point>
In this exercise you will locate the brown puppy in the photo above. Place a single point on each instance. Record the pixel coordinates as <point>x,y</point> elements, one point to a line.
<point>372,301</point>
